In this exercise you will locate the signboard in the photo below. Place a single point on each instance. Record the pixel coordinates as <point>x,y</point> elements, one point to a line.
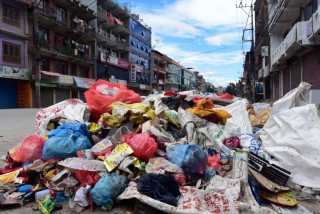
<point>160,82</point>
<point>133,73</point>
<point>84,82</point>
<point>123,82</point>
<point>16,73</point>
<point>52,77</point>
<point>139,68</point>
<point>66,80</point>
<point>103,57</point>
<point>48,85</point>
<point>143,87</point>
<point>119,62</point>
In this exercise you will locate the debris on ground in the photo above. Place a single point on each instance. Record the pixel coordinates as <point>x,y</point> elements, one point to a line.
<point>175,152</point>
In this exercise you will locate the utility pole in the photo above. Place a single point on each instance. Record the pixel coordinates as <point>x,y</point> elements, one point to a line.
<point>36,44</point>
<point>251,59</point>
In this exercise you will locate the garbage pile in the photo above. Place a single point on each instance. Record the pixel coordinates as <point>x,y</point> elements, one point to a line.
<point>175,152</point>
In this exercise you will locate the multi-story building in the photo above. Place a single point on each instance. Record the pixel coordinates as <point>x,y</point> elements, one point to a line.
<point>294,28</point>
<point>66,37</point>
<point>200,82</point>
<point>159,70</point>
<point>15,88</point>
<point>173,76</point>
<point>262,44</point>
<point>188,79</point>
<point>112,43</point>
<point>140,56</point>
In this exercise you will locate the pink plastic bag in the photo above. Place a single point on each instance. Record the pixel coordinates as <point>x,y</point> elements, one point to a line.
<point>144,146</point>
<point>181,179</point>
<point>102,94</point>
<point>30,150</point>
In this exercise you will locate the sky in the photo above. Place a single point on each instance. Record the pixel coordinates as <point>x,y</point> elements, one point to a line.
<point>203,34</point>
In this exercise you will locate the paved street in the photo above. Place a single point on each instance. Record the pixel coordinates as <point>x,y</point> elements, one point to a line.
<point>16,124</point>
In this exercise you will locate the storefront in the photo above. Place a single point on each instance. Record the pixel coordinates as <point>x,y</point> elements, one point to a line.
<point>15,88</point>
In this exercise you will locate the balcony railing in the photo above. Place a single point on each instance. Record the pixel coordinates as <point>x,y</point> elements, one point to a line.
<point>85,30</point>
<point>52,15</point>
<point>62,49</point>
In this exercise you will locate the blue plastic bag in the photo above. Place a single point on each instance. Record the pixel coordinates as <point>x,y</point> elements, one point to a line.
<point>25,188</point>
<point>191,158</point>
<point>66,140</point>
<point>108,188</point>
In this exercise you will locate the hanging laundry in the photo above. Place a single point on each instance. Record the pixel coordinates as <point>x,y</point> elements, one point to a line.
<point>118,21</point>
<point>111,19</point>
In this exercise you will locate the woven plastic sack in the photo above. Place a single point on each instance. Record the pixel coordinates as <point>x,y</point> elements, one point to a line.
<point>191,158</point>
<point>144,146</point>
<point>102,94</point>
<point>30,150</point>
<point>66,140</point>
<point>108,188</point>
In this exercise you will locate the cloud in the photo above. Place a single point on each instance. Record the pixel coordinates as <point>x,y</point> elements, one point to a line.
<point>170,27</point>
<point>222,39</point>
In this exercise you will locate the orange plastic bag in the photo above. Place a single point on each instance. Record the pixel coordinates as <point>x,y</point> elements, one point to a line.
<point>144,146</point>
<point>30,150</point>
<point>102,94</point>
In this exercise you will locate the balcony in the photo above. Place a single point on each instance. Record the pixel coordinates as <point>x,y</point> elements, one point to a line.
<point>108,39</point>
<point>120,28</point>
<point>83,34</point>
<point>278,56</point>
<point>104,19</point>
<point>159,69</point>
<point>296,38</point>
<point>313,28</point>
<point>117,9</point>
<point>121,45</point>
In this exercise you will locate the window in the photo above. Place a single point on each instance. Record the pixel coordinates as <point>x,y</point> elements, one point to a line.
<point>73,70</point>
<point>61,67</point>
<point>11,53</point>
<point>310,9</point>
<point>44,64</point>
<point>132,43</point>
<point>142,33</point>
<point>61,15</point>
<point>10,15</point>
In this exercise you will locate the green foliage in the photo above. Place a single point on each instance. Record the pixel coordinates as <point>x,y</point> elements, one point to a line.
<point>231,89</point>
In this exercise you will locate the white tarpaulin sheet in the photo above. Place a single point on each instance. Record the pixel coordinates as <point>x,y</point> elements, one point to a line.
<point>292,135</point>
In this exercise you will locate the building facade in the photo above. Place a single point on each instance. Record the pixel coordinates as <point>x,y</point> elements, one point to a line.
<point>66,38</point>
<point>159,70</point>
<point>140,56</point>
<point>294,37</point>
<point>15,87</point>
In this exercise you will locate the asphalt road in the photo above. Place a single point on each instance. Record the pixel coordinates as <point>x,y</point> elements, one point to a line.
<point>16,125</point>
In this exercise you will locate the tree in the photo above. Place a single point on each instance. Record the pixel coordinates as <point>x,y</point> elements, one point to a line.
<point>209,89</point>
<point>231,89</point>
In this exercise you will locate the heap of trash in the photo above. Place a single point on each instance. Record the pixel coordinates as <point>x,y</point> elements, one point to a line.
<point>176,152</point>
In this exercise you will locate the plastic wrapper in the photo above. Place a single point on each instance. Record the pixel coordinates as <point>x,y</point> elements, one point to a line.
<point>83,164</point>
<point>108,188</point>
<point>66,140</point>
<point>214,161</point>
<point>102,94</point>
<point>113,159</point>
<point>9,177</point>
<point>85,154</point>
<point>47,204</point>
<point>162,166</point>
<point>283,198</point>
<point>108,120</point>
<point>72,110</point>
<point>30,150</point>
<point>143,145</point>
<point>137,112</point>
<point>191,158</point>
<point>81,196</point>
<point>124,166</point>
<point>103,147</point>
<point>232,143</point>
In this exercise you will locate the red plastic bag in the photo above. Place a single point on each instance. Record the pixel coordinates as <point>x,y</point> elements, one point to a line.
<point>144,146</point>
<point>214,161</point>
<point>87,177</point>
<point>102,94</point>
<point>181,179</point>
<point>30,150</point>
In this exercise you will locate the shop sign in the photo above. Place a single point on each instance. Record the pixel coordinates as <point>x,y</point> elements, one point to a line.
<point>160,82</point>
<point>139,68</point>
<point>133,73</point>
<point>48,85</point>
<point>119,62</point>
<point>84,82</point>
<point>16,73</point>
<point>103,57</point>
<point>66,80</point>
<point>113,60</point>
<point>142,87</point>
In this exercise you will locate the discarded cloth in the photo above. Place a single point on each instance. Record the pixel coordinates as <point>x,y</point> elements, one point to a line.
<point>204,109</point>
<point>161,187</point>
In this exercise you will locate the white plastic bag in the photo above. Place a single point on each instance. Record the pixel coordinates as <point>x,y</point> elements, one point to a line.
<point>292,136</point>
<point>162,166</point>
<point>73,110</point>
